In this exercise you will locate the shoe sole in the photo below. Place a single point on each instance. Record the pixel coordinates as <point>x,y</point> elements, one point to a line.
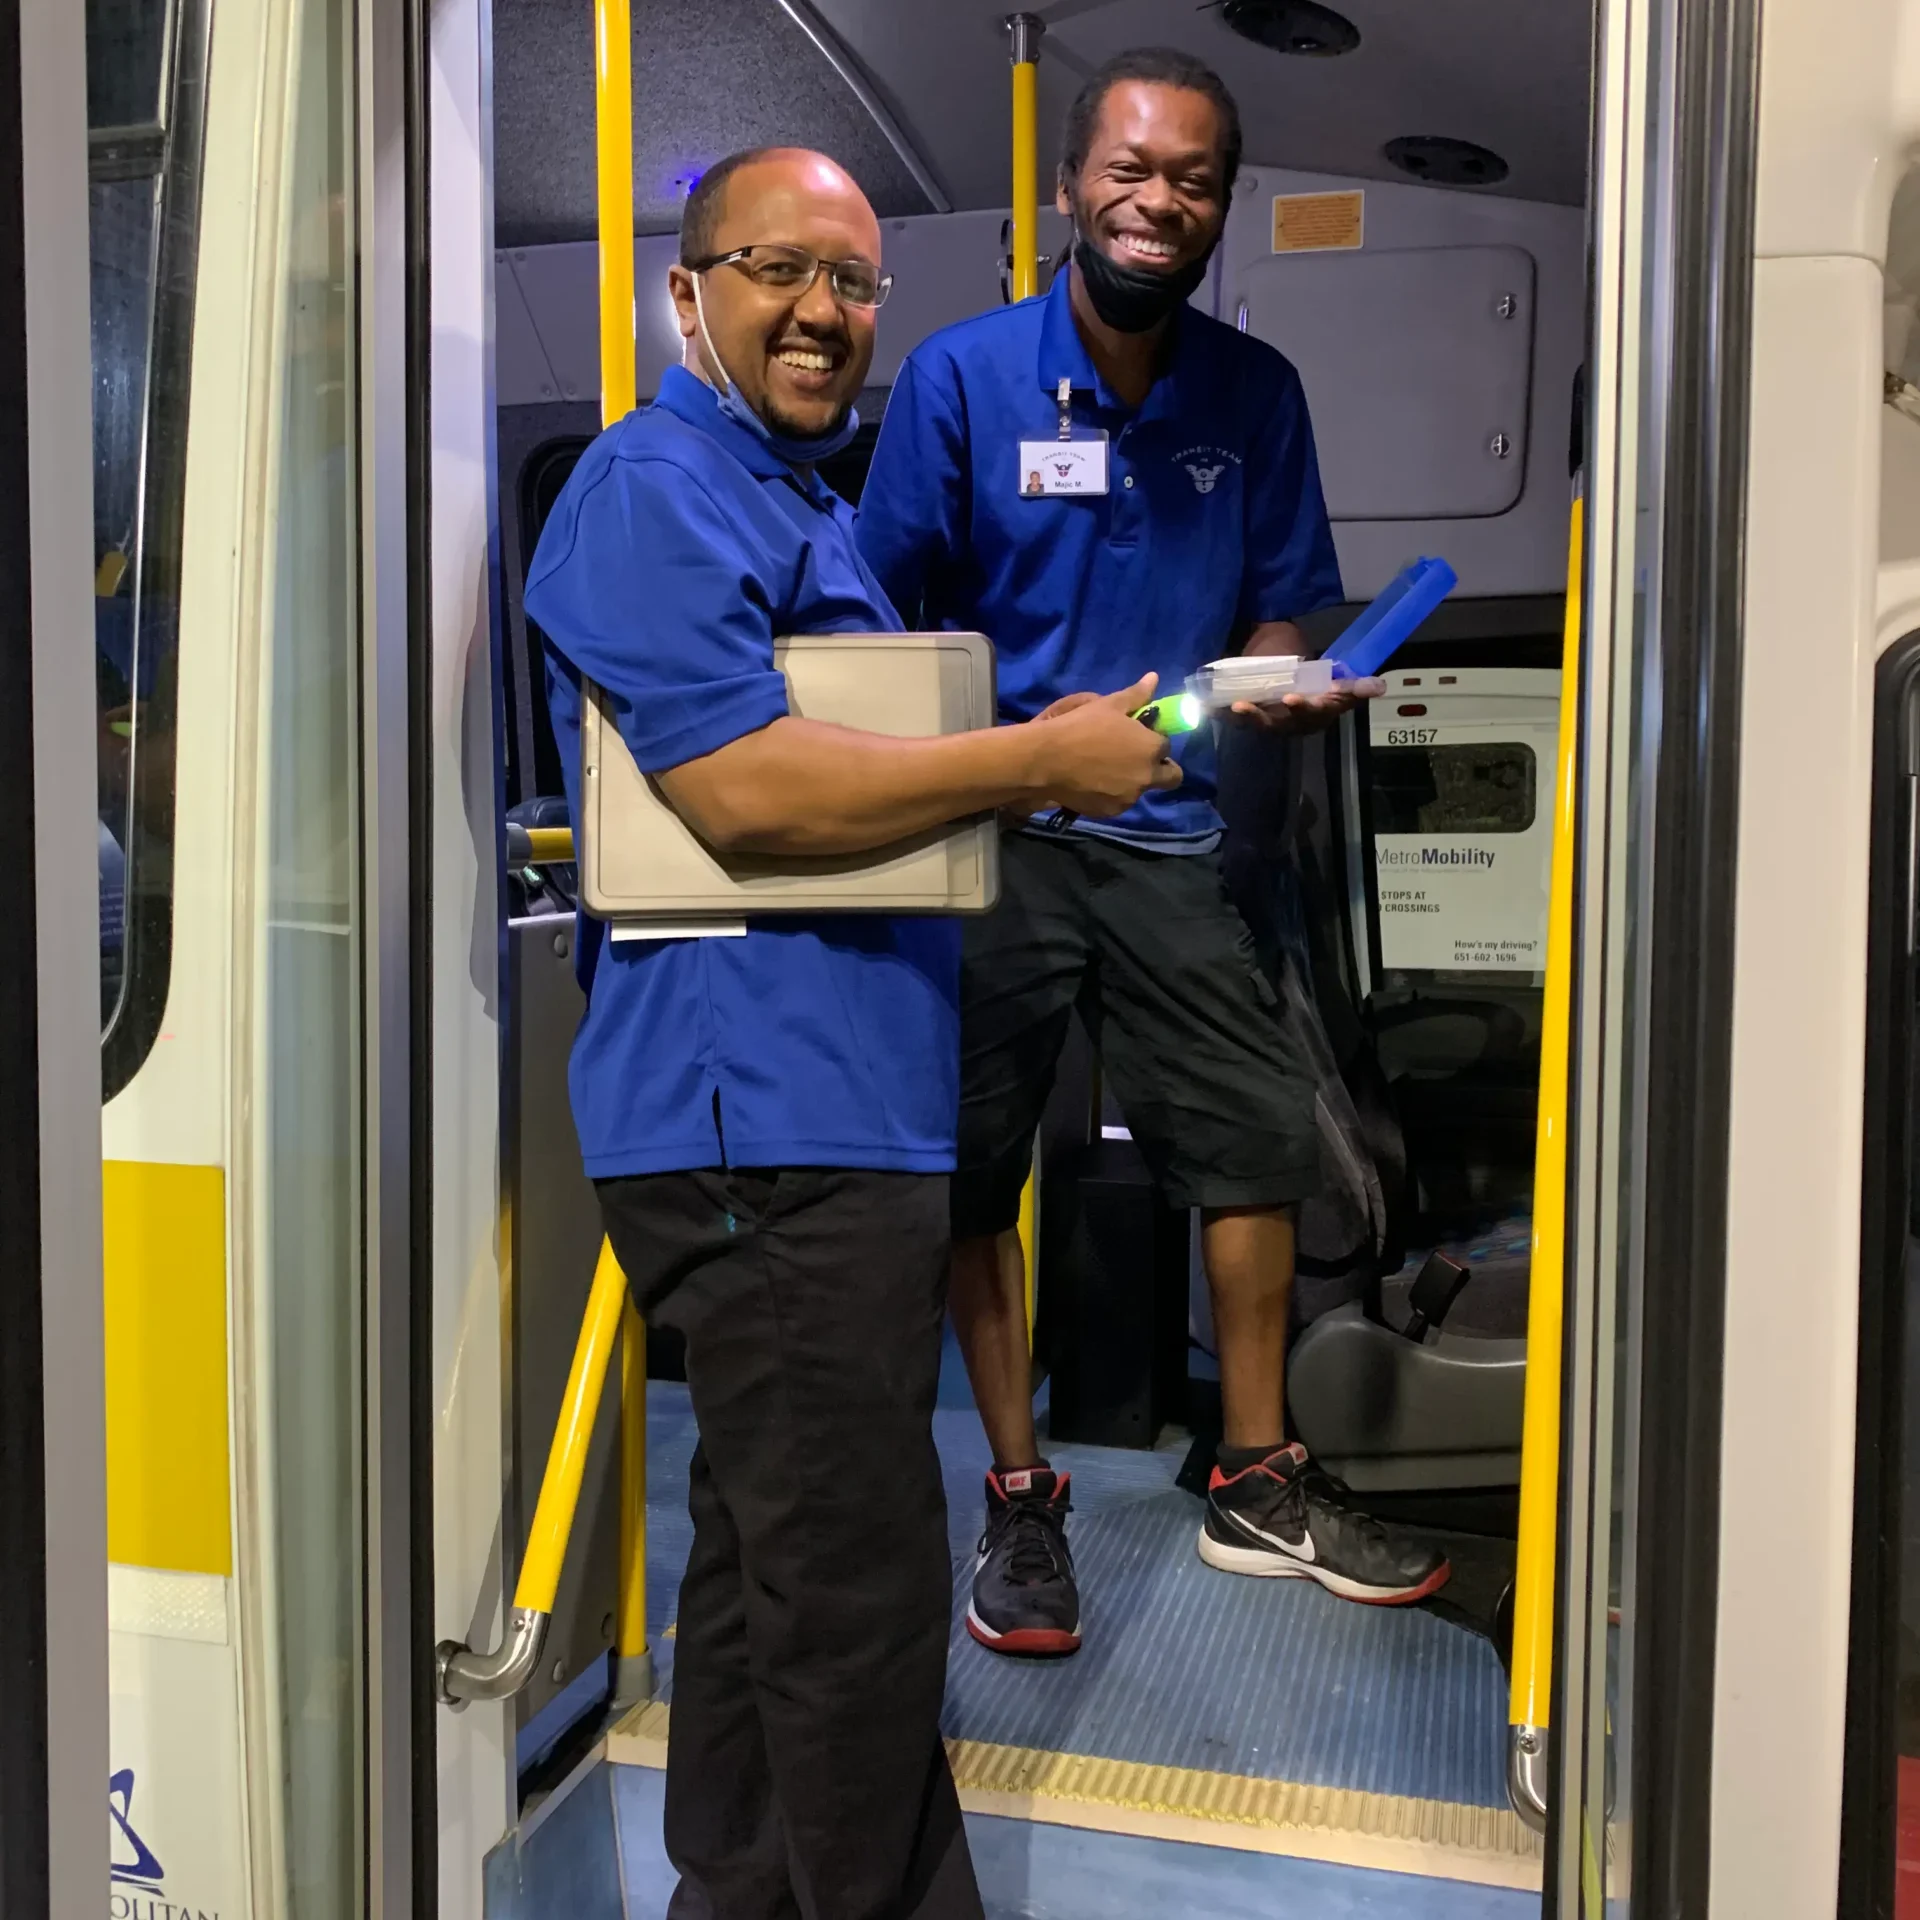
<point>1042,1641</point>
<point>1270,1566</point>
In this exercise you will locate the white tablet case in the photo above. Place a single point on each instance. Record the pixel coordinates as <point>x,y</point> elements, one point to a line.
<point>640,862</point>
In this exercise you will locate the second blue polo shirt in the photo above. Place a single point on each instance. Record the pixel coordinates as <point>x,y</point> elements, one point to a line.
<point>1213,520</point>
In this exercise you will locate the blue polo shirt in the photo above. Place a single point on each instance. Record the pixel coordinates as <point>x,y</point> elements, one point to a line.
<point>1213,520</point>
<point>677,551</point>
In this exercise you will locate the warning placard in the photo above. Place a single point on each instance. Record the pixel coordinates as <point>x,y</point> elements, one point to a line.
<point>1318,222</point>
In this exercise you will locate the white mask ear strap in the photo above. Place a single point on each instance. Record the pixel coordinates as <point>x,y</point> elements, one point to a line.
<point>706,339</point>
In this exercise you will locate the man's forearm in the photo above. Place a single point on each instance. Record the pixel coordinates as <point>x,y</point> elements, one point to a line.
<point>801,786</point>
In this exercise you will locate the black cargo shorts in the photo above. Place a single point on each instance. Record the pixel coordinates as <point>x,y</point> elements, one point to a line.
<point>1151,950</point>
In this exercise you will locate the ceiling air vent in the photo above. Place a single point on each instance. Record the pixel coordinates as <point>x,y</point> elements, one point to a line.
<point>1292,26</point>
<point>1440,162</point>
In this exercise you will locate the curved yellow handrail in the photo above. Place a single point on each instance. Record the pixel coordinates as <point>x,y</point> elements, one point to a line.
<point>1532,1677</point>
<point>572,1434</point>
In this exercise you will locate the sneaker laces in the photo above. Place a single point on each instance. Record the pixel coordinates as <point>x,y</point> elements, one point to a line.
<point>1033,1552</point>
<point>1315,1482</point>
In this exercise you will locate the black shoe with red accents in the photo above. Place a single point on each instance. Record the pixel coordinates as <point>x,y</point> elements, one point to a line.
<point>1024,1596</point>
<point>1284,1518</point>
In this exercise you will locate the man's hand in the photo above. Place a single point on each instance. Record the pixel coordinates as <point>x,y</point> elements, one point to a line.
<point>1096,758</point>
<point>1299,713</point>
<point>1304,713</point>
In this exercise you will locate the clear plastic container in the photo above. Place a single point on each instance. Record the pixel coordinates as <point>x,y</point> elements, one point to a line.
<point>1261,678</point>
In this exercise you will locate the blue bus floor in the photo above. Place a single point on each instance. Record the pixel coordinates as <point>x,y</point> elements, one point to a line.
<point>1034,1872</point>
<point>1267,1702</point>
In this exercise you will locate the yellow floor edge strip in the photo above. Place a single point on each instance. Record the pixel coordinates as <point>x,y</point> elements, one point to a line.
<point>1486,1846</point>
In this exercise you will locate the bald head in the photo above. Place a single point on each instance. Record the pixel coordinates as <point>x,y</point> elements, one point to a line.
<point>779,169</point>
<point>797,353</point>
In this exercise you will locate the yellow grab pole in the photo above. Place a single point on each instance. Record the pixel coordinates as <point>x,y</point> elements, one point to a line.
<point>1030,1233</point>
<point>1532,1678</point>
<point>572,1434</point>
<point>613,123</point>
<point>633,1675</point>
<point>1024,30</point>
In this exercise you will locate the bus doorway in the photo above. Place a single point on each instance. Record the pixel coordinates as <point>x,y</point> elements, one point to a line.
<point>1432,294</point>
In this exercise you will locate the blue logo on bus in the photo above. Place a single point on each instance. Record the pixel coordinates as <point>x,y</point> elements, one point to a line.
<point>133,1862</point>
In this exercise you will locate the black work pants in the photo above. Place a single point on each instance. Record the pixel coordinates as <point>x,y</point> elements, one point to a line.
<point>805,1771</point>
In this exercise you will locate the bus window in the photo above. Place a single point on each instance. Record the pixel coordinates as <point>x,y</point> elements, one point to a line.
<point>145,61</point>
<point>1453,789</point>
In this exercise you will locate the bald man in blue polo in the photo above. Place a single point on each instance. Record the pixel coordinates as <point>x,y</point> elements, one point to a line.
<point>769,1119</point>
<point>1106,481</point>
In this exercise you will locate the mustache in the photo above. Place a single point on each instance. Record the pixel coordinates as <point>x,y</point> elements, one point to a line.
<point>817,340</point>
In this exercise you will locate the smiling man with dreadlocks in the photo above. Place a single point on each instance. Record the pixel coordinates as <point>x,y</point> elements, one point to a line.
<point>1178,518</point>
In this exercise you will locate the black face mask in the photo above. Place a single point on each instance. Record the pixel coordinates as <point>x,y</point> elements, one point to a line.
<point>1131,299</point>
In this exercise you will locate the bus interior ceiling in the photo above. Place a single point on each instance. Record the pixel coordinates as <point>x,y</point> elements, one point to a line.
<point>1395,878</point>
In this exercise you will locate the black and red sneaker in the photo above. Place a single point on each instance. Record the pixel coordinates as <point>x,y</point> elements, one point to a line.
<point>1024,1596</point>
<point>1284,1519</point>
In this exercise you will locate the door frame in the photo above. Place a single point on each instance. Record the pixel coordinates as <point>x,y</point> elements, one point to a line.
<point>53,1527</point>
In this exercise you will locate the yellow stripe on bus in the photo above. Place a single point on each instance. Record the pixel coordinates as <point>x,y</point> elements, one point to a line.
<point>166,1312</point>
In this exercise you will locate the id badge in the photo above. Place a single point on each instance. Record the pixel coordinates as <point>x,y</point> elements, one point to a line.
<point>1051,468</point>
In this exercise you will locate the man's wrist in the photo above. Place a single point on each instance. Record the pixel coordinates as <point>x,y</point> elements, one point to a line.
<point>1018,754</point>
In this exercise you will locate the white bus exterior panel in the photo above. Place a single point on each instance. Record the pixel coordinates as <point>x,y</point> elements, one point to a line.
<point>176,1832</point>
<point>1839,110</point>
<point>1793,1196</point>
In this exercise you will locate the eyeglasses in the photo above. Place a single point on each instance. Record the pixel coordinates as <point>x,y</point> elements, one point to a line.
<point>792,270</point>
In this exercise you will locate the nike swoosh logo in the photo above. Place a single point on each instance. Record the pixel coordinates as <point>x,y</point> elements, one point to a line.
<point>1303,1550</point>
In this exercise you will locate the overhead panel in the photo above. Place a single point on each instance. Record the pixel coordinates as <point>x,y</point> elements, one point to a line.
<point>1510,75</point>
<point>1417,366</point>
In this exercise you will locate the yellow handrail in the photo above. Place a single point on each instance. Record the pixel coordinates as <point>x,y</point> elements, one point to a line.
<point>462,1673</point>
<point>613,126</point>
<point>1532,1674</point>
<point>572,1433</point>
<point>549,846</point>
<point>1025,30</point>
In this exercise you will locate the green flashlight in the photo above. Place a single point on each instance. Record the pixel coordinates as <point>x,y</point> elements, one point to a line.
<point>1176,714</point>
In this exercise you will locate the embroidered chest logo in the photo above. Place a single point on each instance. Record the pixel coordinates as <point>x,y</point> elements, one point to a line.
<point>1205,465</point>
